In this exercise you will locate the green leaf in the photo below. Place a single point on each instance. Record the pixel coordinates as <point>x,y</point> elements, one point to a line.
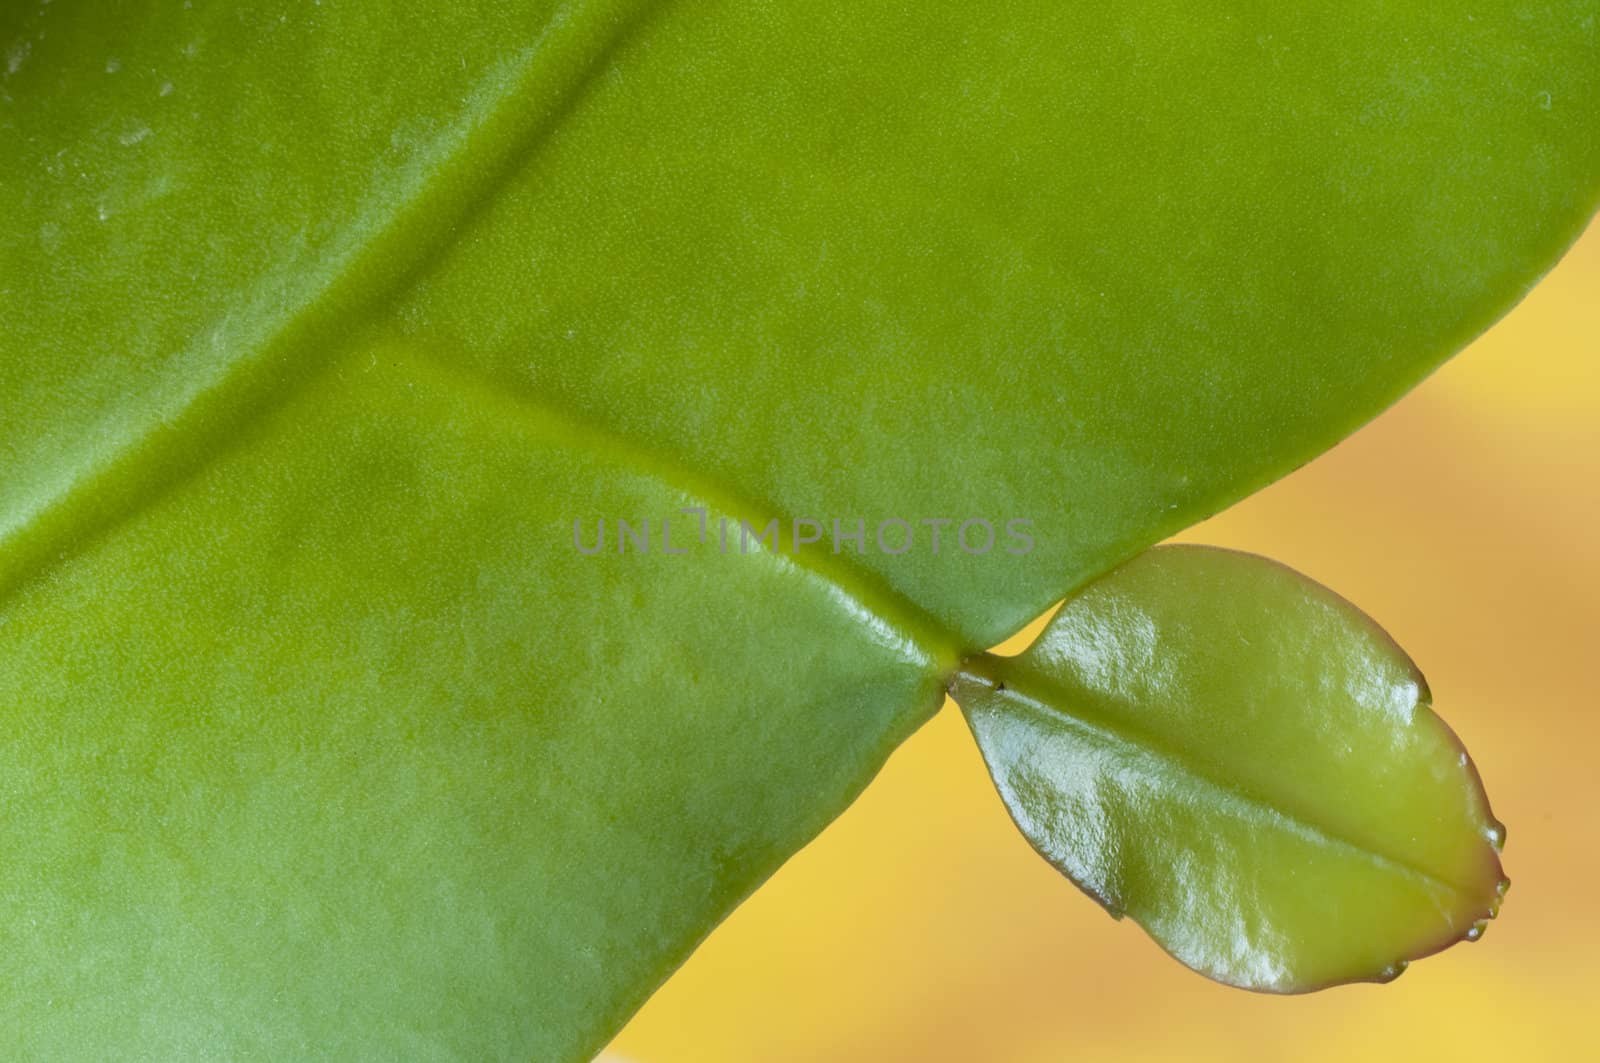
<point>365,761</point>
<point>323,324</point>
<point>1248,766</point>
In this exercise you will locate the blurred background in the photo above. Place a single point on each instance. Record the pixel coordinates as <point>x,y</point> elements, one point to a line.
<point>920,926</point>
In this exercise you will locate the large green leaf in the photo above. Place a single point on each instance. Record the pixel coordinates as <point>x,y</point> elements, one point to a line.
<point>361,763</point>
<point>1248,766</point>
<point>322,324</point>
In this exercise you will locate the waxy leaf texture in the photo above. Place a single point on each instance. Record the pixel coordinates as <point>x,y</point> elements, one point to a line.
<point>321,324</point>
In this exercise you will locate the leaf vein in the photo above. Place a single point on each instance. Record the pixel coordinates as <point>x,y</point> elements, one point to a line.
<point>1145,744</point>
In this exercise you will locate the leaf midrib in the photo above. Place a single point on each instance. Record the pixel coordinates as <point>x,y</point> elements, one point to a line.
<point>887,614</point>
<point>1121,734</point>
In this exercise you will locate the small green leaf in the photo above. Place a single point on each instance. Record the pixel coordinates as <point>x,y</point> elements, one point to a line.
<point>1248,766</point>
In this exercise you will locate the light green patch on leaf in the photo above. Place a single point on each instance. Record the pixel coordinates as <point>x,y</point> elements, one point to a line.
<point>365,765</point>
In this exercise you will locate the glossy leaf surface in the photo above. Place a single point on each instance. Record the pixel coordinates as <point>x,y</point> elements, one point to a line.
<point>1245,764</point>
<point>323,323</point>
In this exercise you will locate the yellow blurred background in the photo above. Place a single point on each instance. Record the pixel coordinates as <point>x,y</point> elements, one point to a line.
<point>921,926</point>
